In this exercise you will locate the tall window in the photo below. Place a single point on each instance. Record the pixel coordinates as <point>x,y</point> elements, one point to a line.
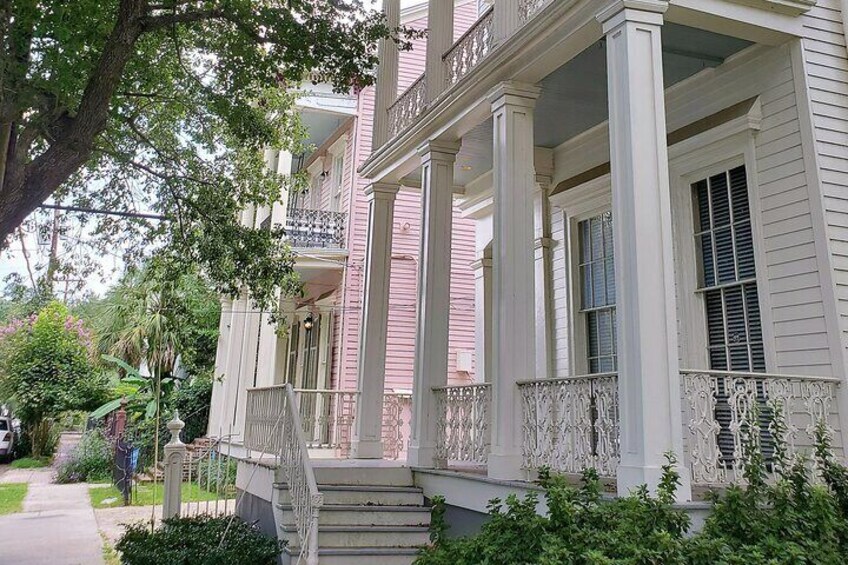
<point>727,272</point>
<point>724,238</point>
<point>597,280</point>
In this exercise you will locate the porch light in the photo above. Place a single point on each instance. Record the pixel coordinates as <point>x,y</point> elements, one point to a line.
<point>308,322</point>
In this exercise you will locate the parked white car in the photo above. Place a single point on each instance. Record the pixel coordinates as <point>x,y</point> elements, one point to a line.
<point>7,439</point>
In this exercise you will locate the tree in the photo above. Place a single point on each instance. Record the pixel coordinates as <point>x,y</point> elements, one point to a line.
<point>46,367</point>
<point>167,104</point>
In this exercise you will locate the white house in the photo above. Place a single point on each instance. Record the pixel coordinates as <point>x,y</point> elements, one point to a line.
<point>660,197</point>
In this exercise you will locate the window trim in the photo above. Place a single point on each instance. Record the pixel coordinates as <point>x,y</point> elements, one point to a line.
<point>582,202</point>
<point>706,155</point>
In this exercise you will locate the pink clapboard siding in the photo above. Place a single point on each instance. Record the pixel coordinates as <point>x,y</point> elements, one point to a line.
<point>405,249</point>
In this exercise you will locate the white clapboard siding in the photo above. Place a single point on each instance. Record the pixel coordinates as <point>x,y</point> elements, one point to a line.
<point>793,293</point>
<point>826,66</point>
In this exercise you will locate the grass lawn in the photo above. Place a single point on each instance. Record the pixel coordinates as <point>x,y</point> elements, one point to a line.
<point>110,497</point>
<point>12,497</point>
<point>30,463</point>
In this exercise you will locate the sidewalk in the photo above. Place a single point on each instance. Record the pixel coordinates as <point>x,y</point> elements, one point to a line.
<point>56,527</point>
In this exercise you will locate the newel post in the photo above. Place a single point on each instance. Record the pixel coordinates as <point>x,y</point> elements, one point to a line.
<point>175,451</point>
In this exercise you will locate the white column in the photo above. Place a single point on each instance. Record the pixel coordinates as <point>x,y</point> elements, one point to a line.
<point>385,92</point>
<point>506,18</point>
<point>439,40</point>
<point>514,308</point>
<point>222,354</point>
<point>649,391</point>
<point>371,372</point>
<point>433,314</point>
<point>233,379</point>
<point>483,315</point>
<point>543,268</point>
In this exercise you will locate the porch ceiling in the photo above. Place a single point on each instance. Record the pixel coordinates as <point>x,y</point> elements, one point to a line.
<point>574,97</point>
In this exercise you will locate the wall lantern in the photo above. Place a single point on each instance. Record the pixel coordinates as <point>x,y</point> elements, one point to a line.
<point>308,323</point>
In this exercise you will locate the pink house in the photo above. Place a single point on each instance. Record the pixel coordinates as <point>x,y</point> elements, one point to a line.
<point>318,348</point>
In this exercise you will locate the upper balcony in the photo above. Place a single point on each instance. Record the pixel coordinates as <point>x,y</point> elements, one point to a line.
<point>315,229</point>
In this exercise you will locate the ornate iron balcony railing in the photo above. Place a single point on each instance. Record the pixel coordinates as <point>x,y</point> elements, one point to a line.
<point>315,228</point>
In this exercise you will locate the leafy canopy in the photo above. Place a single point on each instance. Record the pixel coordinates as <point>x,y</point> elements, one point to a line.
<point>167,105</point>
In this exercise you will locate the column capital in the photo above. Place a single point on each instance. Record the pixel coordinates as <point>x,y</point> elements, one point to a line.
<point>514,93</point>
<point>439,150</point>
<point>643,11</point>
<point>483,263</point>
<point>381,191</point>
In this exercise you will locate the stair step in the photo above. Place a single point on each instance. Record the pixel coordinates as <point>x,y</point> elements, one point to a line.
<point>362,555</point>
<point>347,537</point>
<point>362,515</point>
<point>361,476</point>
<point>362,495</point>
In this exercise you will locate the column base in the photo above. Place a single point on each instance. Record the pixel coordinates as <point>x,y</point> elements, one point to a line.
<point>366,449</point>
<point>630,477</point>
<point>423,456</point>
<point>505,467</point>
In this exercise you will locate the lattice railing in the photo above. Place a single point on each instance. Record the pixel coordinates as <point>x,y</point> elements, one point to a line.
<point>408,106</point>
<point>327,417</point>
<point>315,228</point>
<point>529,8</point>
<point>727,414</point>
<point>397,407</point>
<point>263,420</point>
<point>469,49</point>
<point>306,501</point>
<point>571,424</point>
<point>463,423</point>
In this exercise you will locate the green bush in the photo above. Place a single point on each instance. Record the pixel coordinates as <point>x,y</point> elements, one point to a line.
<point>791,521</point>
<point>197,541</point>
<point>217,474</point>
<point>193,400</point>
<point>90,461</point>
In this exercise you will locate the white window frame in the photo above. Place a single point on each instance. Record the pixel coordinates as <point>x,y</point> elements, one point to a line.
<point>337,152</point>
<point>712,152</point>
<point>579,203</point>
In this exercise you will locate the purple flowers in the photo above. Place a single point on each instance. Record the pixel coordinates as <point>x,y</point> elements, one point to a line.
<point>72,325</point>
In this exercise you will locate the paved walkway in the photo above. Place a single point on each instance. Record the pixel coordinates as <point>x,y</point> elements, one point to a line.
<point>56,527</point>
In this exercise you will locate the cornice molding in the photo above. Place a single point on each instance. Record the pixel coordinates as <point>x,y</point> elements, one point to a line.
<point>791,7</point>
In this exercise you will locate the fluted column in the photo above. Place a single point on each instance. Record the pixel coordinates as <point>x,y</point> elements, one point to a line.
<point>387,76</point>
<point>371,372</point>
<point>433,314</point>
<point>439,40</point>
<point>543,264</point>
<point>649,390</point>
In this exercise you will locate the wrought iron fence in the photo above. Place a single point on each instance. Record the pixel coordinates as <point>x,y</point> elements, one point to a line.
<point>463,423</point>
<point>310,228</point>
<point>571,424</point>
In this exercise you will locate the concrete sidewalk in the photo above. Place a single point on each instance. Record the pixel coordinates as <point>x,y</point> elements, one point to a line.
<point>56,527</point>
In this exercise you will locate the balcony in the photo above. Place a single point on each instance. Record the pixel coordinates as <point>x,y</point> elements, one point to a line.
<point>315,229</point>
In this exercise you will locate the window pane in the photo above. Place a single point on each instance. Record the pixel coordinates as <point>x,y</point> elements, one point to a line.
<point>702,204</point>
<point>592,334</point>
<point>739,195</point>
<point>744,251</point>
<point>705,243</point>
<point>720,200</point>
<point>724,255</point>
<point>598,285</point>
<point>610,274</point>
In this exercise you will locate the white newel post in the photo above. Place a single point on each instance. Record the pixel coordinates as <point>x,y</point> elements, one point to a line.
<point>649,391</point>
<point>439,40</point>
<point>433,314</point>
<point>544,279</point>
<point>385,92</point>
<point>371,374</point>
<point>513,312</point>
<point>175,451</point>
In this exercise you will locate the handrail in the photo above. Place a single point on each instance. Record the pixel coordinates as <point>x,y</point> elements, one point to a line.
<point>743,374</point>
<point>454,387</point>
<point>306,500</point>
<point>568,379</point>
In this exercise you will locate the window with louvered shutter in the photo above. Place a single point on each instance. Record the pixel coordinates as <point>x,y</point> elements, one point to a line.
<point>597,290</point>
<point>727,279</point>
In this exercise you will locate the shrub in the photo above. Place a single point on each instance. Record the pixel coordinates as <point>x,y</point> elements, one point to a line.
<point>217,473</point>
<point>197,541</point>
<point>193,400</point>
<point>91,460</point>
<point>792,521</point>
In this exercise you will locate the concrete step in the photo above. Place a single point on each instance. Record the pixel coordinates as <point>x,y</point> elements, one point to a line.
<point>361,515</point>
<point>363,475</point>
<point>347,537</point>
<point>362,555</point>
<point>362,495</point>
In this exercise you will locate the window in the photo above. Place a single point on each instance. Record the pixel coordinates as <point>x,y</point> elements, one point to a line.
<point>727,274</point>
<point>337,181</point>
<point>294,343</point>
<point>727,279</point>
<point>597,289</point>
